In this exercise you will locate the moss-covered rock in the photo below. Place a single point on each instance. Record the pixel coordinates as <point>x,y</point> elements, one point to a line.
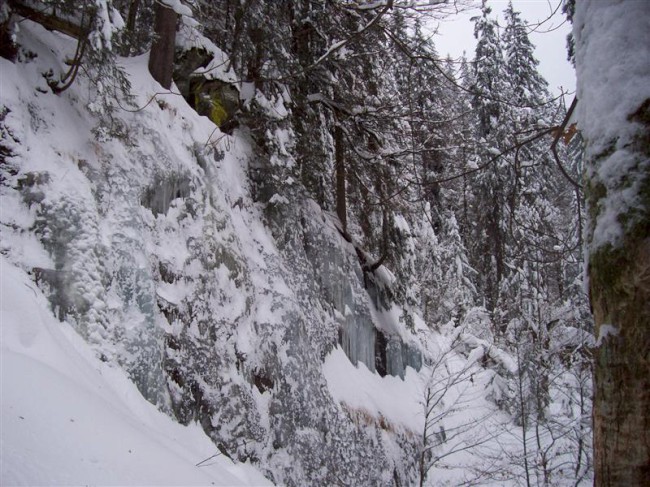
<point>215,99</point>
<point>187,62</point>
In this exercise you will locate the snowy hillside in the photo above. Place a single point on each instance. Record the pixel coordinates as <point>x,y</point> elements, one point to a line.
<point>126,236</point>
<point>71,419</point>
<point>181,304</point>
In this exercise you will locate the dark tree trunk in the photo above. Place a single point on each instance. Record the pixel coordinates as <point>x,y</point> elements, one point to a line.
<point>341,206</point>
<point>8,49</point>
<point>622,369</point>
<point>133,14</point>
<point>161,59</point>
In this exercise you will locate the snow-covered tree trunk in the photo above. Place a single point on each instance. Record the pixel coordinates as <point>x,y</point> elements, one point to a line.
<point>613,70</point>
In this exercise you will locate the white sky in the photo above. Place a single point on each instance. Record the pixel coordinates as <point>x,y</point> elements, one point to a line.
<point>456,34</point>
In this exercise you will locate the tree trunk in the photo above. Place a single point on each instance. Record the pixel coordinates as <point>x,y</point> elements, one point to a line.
<point>8,49</point>
<point>48,19</point>
<point>133,15</point>
<point>161,58</point>
<point>341,207</point>
<point>622,375</point>
<point>614,115</point>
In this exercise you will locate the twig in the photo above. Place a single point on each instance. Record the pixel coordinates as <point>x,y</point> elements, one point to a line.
<point>209,458</point>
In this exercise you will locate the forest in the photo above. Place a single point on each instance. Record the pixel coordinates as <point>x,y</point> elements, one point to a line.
<point>297,246</point>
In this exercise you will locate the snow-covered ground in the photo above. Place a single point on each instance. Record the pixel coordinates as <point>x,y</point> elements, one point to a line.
<point>70,419</point>
<point>396,400</point>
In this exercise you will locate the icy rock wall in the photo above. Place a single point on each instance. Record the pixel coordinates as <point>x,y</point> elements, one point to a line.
<point>381,351</point>
<point>359,340</point>
<point>340,282</point>
<point>101,279</point>
<point>327,284</point>
<point>221,298</point>
<point>159,196</point>
<point>255,380</point>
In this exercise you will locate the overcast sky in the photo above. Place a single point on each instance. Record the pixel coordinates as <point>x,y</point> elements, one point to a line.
<point>457,35</point>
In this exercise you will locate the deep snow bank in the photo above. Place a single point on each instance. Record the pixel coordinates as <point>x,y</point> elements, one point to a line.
<point>70,419</point>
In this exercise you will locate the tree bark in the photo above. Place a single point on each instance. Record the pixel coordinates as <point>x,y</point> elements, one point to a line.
<point>341,206</point>
<point>161,58</point>
<point>622,375</point>
<point>133,14</point>
<point>617,156</point>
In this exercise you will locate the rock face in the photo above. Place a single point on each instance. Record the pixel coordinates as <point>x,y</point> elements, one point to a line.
<point>246,341</point>
<point>216,99</point>
<point>218,286</point>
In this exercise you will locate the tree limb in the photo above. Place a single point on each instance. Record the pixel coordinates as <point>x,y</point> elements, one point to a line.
<point>558,134</point>
<point>338,45</point>
<point>49,20</point>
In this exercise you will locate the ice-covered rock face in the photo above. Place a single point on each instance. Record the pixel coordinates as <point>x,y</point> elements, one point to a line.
<point>254,381</point>
<point>235,344</point>
<point>163,191</point>
<point>341,284</point>
<point>328,305</point>
<point>221,297</point>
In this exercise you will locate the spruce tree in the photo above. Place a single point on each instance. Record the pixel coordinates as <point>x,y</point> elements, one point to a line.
<point>491,185</point>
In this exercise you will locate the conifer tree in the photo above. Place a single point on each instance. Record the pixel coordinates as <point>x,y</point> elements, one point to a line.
<point>541,251</point>
<point>529,89</point>
<point>491,185</point>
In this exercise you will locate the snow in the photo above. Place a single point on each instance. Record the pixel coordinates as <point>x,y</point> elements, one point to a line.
<point>399,401</point>
<point>458,387</point>
<point>71,413</point>
<point>116,19</point>
<point>613,66</point>
<point>486,348</point>
<point>69,418</point>
<point>189,37</point>
<point>273,107</point>
<point>278,199</point>
<point>613,70</point>
<point>388,320</point>
<point>606,330</point>
<point>178,7</point>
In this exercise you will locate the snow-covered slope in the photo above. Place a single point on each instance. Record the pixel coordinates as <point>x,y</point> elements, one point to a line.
<point>148,255</point>
<point>172,251</point>
<point>71,419</point>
